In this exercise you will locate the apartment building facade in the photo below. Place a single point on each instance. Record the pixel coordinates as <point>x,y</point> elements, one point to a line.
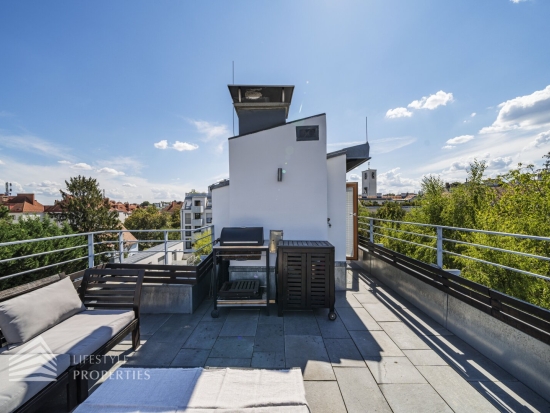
<point>196,212</point>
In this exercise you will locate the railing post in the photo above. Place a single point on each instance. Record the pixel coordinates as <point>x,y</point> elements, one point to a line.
<point>371,230</point>
<point>91,255</point>
<point>120,246</point>
<point>165,247</point>
<point>439,246</point>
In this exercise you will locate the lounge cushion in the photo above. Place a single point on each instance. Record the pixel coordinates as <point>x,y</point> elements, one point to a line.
<point>84,333</point>
<point>13,394</point>
<point>28,315</point>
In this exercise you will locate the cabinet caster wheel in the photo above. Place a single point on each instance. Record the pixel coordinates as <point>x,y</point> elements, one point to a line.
<point>332,316</point>
<point>215,313</point>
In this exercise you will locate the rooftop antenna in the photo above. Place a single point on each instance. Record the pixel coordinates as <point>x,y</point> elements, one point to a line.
<point>367,127</point>
<point>233,110</point>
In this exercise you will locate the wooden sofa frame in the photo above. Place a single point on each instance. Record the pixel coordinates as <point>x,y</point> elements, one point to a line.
<point>98,288</point>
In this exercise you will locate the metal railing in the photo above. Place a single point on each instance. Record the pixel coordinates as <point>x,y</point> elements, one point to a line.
<point>440,237</point>
<point>110,245</point>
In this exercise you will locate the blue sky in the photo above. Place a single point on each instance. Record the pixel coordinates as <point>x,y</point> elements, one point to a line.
<point>135,93</point>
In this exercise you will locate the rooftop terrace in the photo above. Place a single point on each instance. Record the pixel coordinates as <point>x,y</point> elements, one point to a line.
<point>381,354</point>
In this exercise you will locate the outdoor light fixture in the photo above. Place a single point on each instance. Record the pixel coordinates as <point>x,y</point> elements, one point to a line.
<point>280,174</point>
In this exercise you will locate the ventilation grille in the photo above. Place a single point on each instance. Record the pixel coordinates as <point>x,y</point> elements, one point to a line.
<point>307,133</point>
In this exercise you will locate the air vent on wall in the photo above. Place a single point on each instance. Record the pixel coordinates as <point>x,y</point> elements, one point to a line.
<point>307,133</point>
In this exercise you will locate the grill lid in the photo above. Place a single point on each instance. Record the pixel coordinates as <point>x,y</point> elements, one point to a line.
<point>242,236</point>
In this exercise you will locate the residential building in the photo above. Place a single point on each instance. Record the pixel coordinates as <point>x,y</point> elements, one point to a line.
<point>368,182</point>
<point>281,177</point>
<point>196,212</point>
<point>22,205</point>
<point>156,254</point>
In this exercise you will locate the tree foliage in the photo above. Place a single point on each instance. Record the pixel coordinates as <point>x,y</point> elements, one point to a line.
<point>516,202</point>
<point>85,208</point>
<point>148,218</point>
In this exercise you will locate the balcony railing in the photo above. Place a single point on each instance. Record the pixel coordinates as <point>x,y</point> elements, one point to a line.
<point>103,246</point>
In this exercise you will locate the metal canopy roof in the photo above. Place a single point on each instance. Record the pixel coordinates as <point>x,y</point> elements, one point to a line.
<point>257,97</point>
<point>355,155</point>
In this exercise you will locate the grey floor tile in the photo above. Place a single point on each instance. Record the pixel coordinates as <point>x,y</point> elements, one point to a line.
<point>324,397</point>
<point>394,370</point>
<point>373,345</point>
<point>272,318</point>
<point>150,323</point>
<point>331,328</point>
<point>405,398</point>
<point>360,392</point>
<point>367,298</point>
<point>512,396</point>
<point>380,312</point>
<point>425,358</point>
<point>343,352</point>
<point>357,319</point>
<point>190,357</point>
<point>308,353</point>
<point>233,347</point>
<point>177,328</point>
<point>456,392</point>
<point>424,324</point>
<point>403,336</point>
<point>301,323</point>
<point>154,354</point>
<point>227,362</point>
<point>268,360</point>
<point>223,312</point>
<point>204,336</point>
<point>270,337</point>
<point>345,299</point>
<point>243,315</point>
<point>239,328</point>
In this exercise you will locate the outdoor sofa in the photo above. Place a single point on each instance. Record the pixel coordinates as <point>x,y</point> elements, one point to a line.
<point>51,335</point>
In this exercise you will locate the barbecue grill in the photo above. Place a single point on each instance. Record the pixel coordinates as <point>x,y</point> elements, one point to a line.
<point>241,244</point>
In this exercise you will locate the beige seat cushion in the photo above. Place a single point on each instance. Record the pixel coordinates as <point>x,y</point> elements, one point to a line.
<point>84,333</point>
<point>28,315</point>
<point>13,394</point>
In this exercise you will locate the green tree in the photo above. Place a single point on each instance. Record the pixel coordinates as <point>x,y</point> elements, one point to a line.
<point>5,213</point>
<point>148,218</point>
<point>32,228</point>
<point>85,208</point>
<point>175,218</point>
<point>145,204</point>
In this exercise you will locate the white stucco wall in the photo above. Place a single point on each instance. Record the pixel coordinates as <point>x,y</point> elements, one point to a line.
<point>337,205</point>
<point>298,204</point>
<point>220,209</point>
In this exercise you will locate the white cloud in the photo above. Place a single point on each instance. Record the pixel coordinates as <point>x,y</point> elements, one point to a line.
<point>33,144</point>
<point>16,187</point>
<point>64,162</point>
<point>163,144</point>
<point>6,114</point>
<point>524,112</point>
<point>165,195</point>
<point>398,113</point>
<point>45,188</point>
<point>459,166</point>
<point>460,139</point>
<point>542,138</point>
<point>210,131</point>
<point>130,185</point>
<point>393,181</point>
<point>1,163</point>
<point>517,1</point>
<point>354,177</point>
<point>184,146</point>
<point>81,165</point>
<point>110,171</point>
<point>500,163</point>
<point>448,147</point>
<point>431,102</point>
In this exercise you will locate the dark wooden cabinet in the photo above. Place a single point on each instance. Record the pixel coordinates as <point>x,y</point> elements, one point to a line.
<point>305,276</point>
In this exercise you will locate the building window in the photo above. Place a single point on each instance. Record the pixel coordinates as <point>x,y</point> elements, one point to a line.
<point>174,256</point>
<point>160,260</point>
<point>366,176</point>
<point>188,245</point>
<point>198,203</point>
<point>187,219</point>
<point>187,233</point>
<point>208,220</point>
<point>198,215</point>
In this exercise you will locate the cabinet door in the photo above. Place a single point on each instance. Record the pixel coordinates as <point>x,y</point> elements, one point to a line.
<point>318,280</point>
<point>294,278</point>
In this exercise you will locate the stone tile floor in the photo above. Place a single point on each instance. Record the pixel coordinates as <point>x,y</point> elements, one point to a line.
<point>380,355</point>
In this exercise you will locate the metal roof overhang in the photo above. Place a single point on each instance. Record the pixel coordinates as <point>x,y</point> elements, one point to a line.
<point>355,155</point>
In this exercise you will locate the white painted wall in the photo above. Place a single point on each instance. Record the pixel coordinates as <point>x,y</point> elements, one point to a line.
<point>337,205</point>
<point>220,209</point>
<point>298,204</point>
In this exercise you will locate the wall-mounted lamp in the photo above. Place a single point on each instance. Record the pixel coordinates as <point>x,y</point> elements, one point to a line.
<point>280,174</point>
<point>328,222</point>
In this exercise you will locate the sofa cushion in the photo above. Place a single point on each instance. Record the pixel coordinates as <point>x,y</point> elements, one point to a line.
<point>26,316</point>
<point>84,333</point>
<point>15,393</point>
